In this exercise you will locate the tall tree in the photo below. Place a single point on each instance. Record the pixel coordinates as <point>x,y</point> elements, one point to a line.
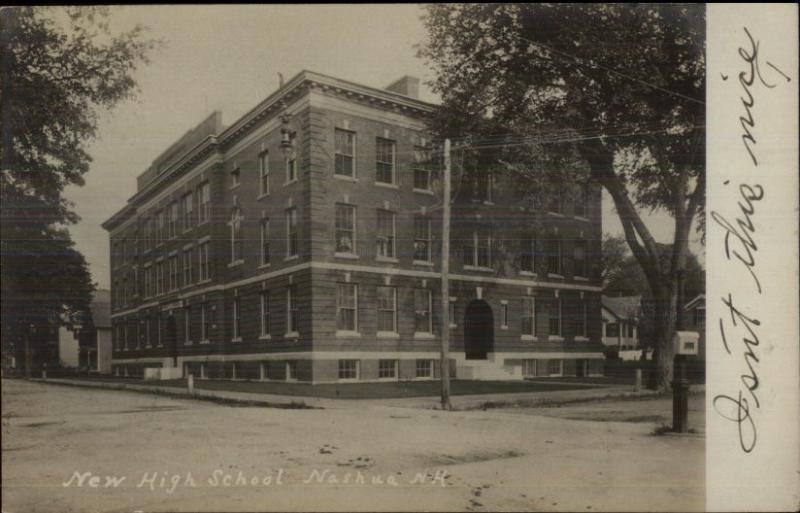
<point>60,68</point>
<point>618,87</point>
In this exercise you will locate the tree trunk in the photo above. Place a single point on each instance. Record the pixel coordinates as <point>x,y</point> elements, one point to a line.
<point>665,321</point>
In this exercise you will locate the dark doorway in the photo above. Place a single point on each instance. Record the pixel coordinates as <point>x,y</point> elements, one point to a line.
<point>580,368</point>
<point>172,339</point>
<point>478,330</point>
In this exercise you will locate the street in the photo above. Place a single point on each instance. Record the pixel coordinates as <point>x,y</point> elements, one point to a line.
<point>74,449</point>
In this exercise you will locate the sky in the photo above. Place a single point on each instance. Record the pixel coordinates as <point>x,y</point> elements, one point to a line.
<point>227,58</point>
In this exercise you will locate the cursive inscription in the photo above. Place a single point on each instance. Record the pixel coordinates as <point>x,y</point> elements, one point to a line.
<point>741,248</point>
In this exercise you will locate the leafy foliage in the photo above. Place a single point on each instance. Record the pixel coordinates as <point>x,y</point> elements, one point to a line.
<point>60,68</point>
<point>614,89</point>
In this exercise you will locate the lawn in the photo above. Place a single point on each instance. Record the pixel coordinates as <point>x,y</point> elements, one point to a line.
<point>376,390</point>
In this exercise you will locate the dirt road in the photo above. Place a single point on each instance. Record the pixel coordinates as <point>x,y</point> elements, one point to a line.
<point>151,453</point>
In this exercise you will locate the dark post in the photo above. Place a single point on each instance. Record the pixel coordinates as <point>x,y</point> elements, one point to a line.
<point>680,396</point>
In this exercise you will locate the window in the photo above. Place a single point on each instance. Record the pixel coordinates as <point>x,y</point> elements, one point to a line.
<point>265,324</point>
<point>235,175</point>
<point>555,318</point>
<point>504,308</point>
<point>554,367</point>
<point>630,330</point>
<point>386,236</point>
<point>291,167</point>
<point>174,274</point>
<point>236,235</point>
<point>202,260</point>
<point>477,252</point>
<point>554,256</point>
<point>264,228</point>
<point>451,312</point>
<point>188,276</point>
<point>387,369</point>
<point>579,260</point>
<point>612,329</point>
<point>422,172</point>
<point>174,217</point>
<point>422,239</point>
<point>583,198</point>
<point>291,370</point>
<point>188,210</point>
<point>204,199</point>
<point>162,226</point>
<point>384,160</point>
<point>187,324</point>
<point>263,170</point>
<point>529,369</point>
<point>291,309</point>
<point>160,283</point>
<point>581,319</point>
<point>424,368</point>
<point>146,235</point>
<point>237,318</point>
<point>387,309</point>
<point>484,186</point>
<point>527,255</point>
<point>528,316</point>
<point>344,153</point>
<point>348,369</point>
<point>346,307</point>
<point>159,339</point>
<point>345,229</point>
<point>422,311</point>
<point>555,202</point>
<point>205,322</point>
<point>147,329</point>
<point>148,278</point>
<point>291,232</point>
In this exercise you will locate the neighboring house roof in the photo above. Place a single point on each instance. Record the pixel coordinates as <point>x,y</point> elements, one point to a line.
<point>699,300</point>
<point>623,308</point>
<point>101,308</point>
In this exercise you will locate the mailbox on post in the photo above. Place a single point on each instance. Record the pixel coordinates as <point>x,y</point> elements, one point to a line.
<point>686,342</point>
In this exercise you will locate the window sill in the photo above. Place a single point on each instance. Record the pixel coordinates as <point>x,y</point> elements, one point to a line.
<point>206,341</point>
<point>346,178</point>
<point>387,185</point>
<point>419,335</point>
<point>426,263</point>
<point>527,273</point>
<point>265,337</point>
<point>580,278</point>
<point>527,338</point>
<point>236,339</point>
<point>451,326</point>
<point>235,263</point>
<point>350,256</point>
<point>581,339</point>
<point>234,186</point>
<point>264,266</point>
<point>556,214</point>
<point>504,327</point>
<point>262,196</point>
<point>203,282</point>
<point>347,334</point>
<point>291,257</point>
<point>290,182</point>
<point>582,218</point>
<point>555,338</point>
<point>187,343</point>
<point>388,334</point>
<point>555,275</point>
<point>423,191</point>
<point>391,260</point>
<point>478,268</point>
<point>347,380</point>
<point>291,334</point>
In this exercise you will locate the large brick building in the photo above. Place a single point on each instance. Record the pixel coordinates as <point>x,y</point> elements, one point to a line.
<point>302,242</point>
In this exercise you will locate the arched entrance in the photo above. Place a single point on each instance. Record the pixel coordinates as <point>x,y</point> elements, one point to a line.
<point>478,330</point>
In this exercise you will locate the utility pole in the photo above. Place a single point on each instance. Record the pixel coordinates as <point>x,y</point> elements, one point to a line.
<point>444,359</point>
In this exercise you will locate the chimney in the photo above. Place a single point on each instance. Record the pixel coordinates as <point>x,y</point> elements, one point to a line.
<point>407,86</point>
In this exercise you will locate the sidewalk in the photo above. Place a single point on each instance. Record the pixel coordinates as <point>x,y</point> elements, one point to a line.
<point>460,402</point>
